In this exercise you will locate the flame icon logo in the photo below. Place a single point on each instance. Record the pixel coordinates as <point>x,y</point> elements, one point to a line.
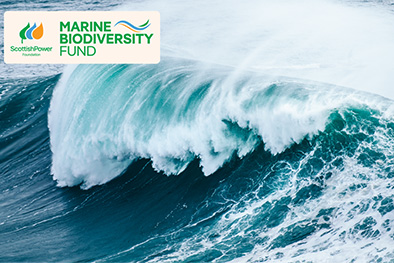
<point>33,32</point>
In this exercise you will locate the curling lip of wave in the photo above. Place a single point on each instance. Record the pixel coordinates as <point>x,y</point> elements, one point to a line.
<point>99,124</point>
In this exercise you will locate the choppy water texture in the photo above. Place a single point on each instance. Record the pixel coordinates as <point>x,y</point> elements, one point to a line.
<point>271,151</point>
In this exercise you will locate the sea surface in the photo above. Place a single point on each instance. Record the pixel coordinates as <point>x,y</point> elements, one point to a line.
<point>265,134</point>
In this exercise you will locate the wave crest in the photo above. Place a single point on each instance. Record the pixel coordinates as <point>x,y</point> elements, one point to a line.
<point>104,117</point>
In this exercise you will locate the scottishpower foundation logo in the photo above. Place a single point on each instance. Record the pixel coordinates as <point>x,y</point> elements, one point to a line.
<point>31,32</point>
<point>82,37</point>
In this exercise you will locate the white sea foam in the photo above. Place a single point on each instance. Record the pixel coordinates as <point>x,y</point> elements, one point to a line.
<point>357,229</point>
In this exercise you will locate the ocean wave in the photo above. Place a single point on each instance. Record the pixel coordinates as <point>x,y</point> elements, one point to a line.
<point>300,170</point>
<point>102,118</point>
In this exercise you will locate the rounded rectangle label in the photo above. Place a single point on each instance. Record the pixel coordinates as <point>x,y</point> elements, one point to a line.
<point>82,37</point>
